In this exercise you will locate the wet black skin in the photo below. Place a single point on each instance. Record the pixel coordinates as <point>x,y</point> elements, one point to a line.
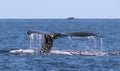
<point>83,34</point>
<point>47,45</point>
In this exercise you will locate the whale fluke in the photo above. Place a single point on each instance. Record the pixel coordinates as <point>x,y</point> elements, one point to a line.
<point>83,34</point>
<point>76,34</point>
<point>49,38</point>
<point>55,35</point>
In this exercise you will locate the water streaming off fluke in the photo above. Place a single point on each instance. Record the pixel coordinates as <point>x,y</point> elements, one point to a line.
<point>91,43</point>
<point>36,41</point>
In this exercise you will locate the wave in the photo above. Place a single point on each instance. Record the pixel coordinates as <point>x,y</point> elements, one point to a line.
<point>78,53</point>
<point>60,52</point>
<point>20,51</point>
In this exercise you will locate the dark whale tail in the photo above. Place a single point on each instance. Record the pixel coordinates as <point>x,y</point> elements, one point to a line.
<point>48,42</point>
<point>83,34</point>
<point>49,38</point>
<point>76,34</point>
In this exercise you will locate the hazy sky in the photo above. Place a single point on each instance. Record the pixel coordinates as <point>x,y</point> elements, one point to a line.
<point>59,8</point>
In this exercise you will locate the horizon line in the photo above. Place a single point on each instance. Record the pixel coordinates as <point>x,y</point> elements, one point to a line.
<point>60,18</point>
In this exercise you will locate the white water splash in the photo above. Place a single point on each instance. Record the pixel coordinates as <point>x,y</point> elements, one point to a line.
<point>91,43</point>
<point>101,40</point>
<point>36,41</point>
<point>86,53</point>
<point>102,45</point>
<point>31,40</point>
<point>20,51</point>
<point>70,37</point>
<point>98,44</point>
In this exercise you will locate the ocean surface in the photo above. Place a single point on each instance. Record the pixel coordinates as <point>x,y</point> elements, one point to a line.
<point>13,36</point>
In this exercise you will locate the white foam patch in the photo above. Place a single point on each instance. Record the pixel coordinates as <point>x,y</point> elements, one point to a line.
<point>22,51</point>
<point>78,53</point>
<point>60,52</point>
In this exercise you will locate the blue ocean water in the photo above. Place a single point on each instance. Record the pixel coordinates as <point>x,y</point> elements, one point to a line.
<point>14,36</point>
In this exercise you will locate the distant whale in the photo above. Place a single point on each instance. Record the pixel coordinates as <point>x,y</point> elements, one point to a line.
<point>49,38</point>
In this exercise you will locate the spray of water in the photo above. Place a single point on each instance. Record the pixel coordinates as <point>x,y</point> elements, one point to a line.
<point>70,37</point>
<point>36,41</point>
<point>102,47</point>
<point>98,44</point>
<point>91,43</point>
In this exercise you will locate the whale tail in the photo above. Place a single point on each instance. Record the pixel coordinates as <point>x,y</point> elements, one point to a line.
<point>48,42</point>
<point>57,35</point>
<point>49,38</point>
<point>83,34</point>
